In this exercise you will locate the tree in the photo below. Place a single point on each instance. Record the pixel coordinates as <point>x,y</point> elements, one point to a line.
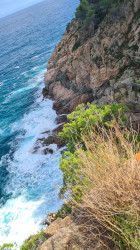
<point>95,10</point>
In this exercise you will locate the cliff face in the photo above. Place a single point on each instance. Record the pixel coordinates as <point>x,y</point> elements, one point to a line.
<point>71,233</point>
<point>62,234</point>
<point>101,66</point>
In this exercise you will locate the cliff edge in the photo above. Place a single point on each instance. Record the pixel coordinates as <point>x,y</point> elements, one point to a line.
<point>99,65</point>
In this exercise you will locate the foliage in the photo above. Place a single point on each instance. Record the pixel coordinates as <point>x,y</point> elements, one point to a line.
<point>33,242</point>
<point>69,166</point>
<point>64,211</point>
<point>129,225</point>
<point>108,178</point>
<point>84,117</point>
<point>94,10</point>
<point>85,11</point>
<point>80,123</point>
<point>113,180</point>
<point>100,171</point>
<point>8,246</point>
<point>76,45</point>
<point>68,27</point>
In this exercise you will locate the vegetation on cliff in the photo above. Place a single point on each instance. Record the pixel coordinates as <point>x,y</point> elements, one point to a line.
<point>97,58</point>
<point>100,177</point>
<point>80,123</point>
<point>93,11</point>
<point>100,171</point>
<point>8,246</point>
<point>33,242</point>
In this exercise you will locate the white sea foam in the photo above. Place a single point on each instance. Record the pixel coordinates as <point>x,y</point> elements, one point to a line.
<point>30,84</point>
<point>36,177</point>
<point>40,119</point>
<point>33,178</point>
<point>39,55</point>
<point>1,131</point>
<point>35,69</point>
<point>16,219</point>
<point>16,92</point>
<point>1,83</point>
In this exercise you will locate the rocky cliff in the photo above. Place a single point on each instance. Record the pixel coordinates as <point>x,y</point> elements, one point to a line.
<point>100,66</point>
<point>72,233</point>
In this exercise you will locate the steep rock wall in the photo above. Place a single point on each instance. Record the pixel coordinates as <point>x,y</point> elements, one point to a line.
<point>101,67</point>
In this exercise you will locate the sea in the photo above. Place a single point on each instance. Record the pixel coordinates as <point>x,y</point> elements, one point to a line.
<point>29,182</point>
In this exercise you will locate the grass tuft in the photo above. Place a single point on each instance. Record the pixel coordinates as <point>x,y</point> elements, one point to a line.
<point>109,185</point>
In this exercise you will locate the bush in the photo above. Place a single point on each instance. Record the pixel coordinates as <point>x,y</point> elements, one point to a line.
<point>76,45</point>
<point>101,176</point>
<point>107,177</point>
<point>68,27</point>
<point>81,120</point>
<point>64,211</point>
<point>80,123</point>
<point>33,242</point>
<point>94,10</point>
<point>111,193</point>
<point>8,246</point>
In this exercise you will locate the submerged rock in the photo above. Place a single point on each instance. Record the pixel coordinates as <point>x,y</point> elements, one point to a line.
<point>48,151</point>
<point>49,142</point>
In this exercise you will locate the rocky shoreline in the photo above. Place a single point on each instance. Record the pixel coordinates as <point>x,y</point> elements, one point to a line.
<point>103,69</point>
<point>62,234</point>
<point>50,138</point>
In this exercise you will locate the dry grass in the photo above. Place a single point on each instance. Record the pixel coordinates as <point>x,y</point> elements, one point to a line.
<point>110,193</point>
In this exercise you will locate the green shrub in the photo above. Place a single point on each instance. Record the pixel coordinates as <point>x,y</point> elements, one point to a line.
<point>59,49</point>
<point>76,45</point>
<point>111,190</point>
<point>33,242</point>
<point>85,11</point>
<point>95,10</point>
<point>64,211</point>
<point>129,225</point>
<point>80,123</point>
<point>84,117</point>
<point>103,180</point>
<point>8,246</point>
<point>68,27</point>
<point>69,166</point>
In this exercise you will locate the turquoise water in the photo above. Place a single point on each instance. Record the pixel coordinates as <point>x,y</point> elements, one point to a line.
<point>29,183</point>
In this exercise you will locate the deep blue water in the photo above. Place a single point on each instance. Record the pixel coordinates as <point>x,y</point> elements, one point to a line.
<point>28,182</point>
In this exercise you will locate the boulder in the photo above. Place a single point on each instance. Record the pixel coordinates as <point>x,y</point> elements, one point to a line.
<point>56,225</point>
<point>62,234</point>
<point>61,119</point>
<point>49,141</point>
<point>65,239</point>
